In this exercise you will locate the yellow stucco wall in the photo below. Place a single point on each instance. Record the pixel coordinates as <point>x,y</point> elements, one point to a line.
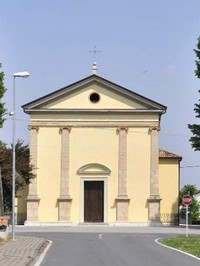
<point>48,173</point>
<point>169,185</point>
<point>87,145</point>
<point>80,99</point>
<point>138,173</point>
<point>138,177</point>
<point>93,145</point>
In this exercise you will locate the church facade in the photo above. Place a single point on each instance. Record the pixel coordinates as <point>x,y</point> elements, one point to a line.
<point>95,148</point>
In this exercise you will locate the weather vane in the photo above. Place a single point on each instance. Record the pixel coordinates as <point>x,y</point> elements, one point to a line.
<point>94,51</point>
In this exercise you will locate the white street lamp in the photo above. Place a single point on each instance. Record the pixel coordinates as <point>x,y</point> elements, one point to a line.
<point>23,74</point>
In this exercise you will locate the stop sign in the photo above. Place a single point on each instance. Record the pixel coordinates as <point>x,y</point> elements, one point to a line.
<point>187,200</point>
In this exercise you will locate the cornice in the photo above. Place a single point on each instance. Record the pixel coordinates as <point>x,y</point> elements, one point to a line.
<point>93,111</point>
<point>104,123</point>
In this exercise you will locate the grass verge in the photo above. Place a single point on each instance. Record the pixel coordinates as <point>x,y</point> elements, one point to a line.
<point>189,244</point>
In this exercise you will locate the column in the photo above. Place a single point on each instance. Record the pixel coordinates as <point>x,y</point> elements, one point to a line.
<point>122,199</point>
<point>64,200</point>
<point>154,198</point>
<point>32,199</point>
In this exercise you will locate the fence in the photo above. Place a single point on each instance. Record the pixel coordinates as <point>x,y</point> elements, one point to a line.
<point>169,218</point>
<point>20,218</point>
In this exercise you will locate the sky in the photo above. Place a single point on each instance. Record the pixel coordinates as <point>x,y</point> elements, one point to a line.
<point>146,46</point>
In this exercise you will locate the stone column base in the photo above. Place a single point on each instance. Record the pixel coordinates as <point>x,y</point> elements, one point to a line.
<point>64,203</point>
<point>32,208</point>
<point>154,208</point>
<point>122,202</point>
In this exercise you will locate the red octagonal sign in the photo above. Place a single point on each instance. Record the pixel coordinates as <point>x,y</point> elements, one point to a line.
<point>187,200</point>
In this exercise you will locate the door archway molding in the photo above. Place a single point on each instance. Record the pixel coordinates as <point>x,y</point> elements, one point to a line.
<point>94,169</point>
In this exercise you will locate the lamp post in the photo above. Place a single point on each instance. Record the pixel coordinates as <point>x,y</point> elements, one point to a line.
<point>23,74</point>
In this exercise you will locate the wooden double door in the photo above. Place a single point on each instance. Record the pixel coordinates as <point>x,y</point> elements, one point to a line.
<point>94,201</point>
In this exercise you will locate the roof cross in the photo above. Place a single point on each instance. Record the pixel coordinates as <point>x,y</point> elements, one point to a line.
<point>94,51</point>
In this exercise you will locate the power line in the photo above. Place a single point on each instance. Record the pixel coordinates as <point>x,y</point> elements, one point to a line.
<point>190,166</point>
<point>18,119</point>
<point>175,135</point>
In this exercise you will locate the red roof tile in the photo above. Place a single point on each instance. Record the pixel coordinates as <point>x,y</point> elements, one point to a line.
<point>163,154</point>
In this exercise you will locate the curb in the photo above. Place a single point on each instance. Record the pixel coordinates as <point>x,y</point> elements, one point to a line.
<point>42,252</point>
<point>183,252</point>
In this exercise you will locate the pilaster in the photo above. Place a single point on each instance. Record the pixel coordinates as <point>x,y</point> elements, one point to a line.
<point>154,198</point>
<point>32,199</point>
<point>64,200</point>
<point>122,199</point>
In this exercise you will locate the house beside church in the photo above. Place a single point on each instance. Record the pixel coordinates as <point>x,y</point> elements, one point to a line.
<point>95,148</point>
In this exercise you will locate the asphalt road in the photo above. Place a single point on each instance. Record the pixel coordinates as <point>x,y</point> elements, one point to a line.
<point>110,249</point>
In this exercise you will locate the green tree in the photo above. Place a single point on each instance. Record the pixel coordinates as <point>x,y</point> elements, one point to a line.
<point>197,52</point>
<point>2,104</point>
<point>194,206</point>
<point>23,170</point>
<point>195,128</point>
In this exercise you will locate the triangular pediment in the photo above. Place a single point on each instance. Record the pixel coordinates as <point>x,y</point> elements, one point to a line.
<point>93,93</point>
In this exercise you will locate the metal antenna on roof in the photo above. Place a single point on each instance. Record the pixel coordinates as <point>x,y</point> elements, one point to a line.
<point>94,67</point>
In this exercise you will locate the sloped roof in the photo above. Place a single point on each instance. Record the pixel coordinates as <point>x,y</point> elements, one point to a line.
<point>41,103</point>
<point>163,154</point>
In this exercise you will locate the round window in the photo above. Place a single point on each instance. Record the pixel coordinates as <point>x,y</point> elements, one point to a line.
<point>94,97</point>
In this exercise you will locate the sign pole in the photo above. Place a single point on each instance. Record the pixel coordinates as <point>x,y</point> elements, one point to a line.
<point>187,200</point>
<point>186,220</point>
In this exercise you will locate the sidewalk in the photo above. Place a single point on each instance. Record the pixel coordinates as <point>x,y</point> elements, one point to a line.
<point>22,251</point>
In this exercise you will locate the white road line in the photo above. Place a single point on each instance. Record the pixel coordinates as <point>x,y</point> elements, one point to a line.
<point>193,256</point>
